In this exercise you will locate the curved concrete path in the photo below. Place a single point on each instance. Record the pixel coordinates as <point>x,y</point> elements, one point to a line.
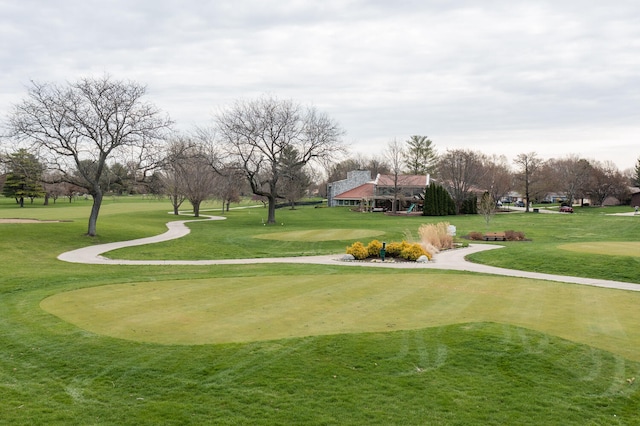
<point>449,259</point>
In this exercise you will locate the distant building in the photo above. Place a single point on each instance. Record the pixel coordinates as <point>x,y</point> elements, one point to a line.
<point>354,179</point>
<point>635,196</point>
<point>378,194</point>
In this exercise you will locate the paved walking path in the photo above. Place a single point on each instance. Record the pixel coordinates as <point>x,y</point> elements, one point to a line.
<point>448,259</point>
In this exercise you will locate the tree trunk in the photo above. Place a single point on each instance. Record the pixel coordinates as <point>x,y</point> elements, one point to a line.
<point>196,209</point>
<point>272,210</point>
<point>93,217</point>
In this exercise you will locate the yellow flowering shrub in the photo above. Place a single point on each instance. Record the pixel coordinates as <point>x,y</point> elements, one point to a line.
<point>358,250</point>
<point>413,252</point>
<point>395,248</point>
<point>373,248</point>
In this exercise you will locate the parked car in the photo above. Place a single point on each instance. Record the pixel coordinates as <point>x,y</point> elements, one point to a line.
<point>566,209</point>
<point>519,203</point>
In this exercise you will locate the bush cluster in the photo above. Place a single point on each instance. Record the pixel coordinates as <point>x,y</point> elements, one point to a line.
<point>509,235</point>
<point>514,235</point>
<point>358,251</point>
<point>403,250</point>
<point>373,248</point>
<point>413,252</point>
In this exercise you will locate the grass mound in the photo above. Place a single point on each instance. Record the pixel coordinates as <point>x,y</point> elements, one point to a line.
<point>321,235</point>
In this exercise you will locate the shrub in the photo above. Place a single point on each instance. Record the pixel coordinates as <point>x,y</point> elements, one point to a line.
<point>373,248</point>
<point>394,249</point>
<point>514,236</point>
<point>475,236</point>
<point>358,250</point>
<point>413,252</point>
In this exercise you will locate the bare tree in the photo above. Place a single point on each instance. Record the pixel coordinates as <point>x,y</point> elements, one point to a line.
<point>188,173</point>
<point>528,174</point>
<point>171,174</point>
<point>376,165</point>
<point>498,179</point>
<point>257,133</point>
<point>295,180</point>
<point>338,171</point>
<point>487,208</point>
<point>420,155</point>
<point>228,185</point>
<point>570,175</point>
<point>91,120</point>
<point>606,181</point>
<point>394,154</point>
<point>461,171</point>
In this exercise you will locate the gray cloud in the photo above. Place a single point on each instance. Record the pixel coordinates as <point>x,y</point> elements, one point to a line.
<point>499,76</point>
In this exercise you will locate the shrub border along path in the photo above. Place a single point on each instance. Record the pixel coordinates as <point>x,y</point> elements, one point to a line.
<point>449,259</point>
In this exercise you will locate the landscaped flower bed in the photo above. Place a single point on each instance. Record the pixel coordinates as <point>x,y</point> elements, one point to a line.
<point>401,250</point>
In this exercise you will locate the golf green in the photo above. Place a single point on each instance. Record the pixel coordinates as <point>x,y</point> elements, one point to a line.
<point>321,235</point>
<point>246,309</point>
<point>612,248</point>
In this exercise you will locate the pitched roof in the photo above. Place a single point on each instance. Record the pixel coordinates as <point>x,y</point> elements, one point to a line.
<point>357,193</point>
<point>403,180</point>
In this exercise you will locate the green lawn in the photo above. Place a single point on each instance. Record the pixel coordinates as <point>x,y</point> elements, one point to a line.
<point>433,347</point>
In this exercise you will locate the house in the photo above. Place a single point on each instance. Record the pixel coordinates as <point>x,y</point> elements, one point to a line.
<point>378,194</point>
<point>635,196</point>
<point>632,197</point>
<point>354,179</point>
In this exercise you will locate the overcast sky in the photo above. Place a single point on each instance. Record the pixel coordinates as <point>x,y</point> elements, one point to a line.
<point>498,76</point>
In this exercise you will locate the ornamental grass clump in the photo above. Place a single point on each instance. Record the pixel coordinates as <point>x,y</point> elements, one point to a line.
<point>436,235</point>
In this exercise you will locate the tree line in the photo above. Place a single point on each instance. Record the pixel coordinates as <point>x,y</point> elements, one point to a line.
<point>100,135</point>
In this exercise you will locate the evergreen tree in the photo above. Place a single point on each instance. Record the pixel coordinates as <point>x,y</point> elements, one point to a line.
<point>470,205</point>
<point>24,178</point>
<point>437,201</point>
<point>419,155</point>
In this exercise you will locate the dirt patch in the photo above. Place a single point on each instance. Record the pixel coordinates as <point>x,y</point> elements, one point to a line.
<point>27,221</point>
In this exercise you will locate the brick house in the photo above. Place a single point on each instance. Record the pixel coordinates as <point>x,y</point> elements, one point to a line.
<point>378,194</point>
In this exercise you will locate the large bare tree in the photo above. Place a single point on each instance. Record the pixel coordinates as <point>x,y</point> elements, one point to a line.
<point>528,173</point>
<point>258,133</point>
<point>91,120</point>
<point>172,174</point>
<point>228,185</point>
<point>570,175</point>
<point>461,171</point>
<point>498,179</point>
<point>605,181</point>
